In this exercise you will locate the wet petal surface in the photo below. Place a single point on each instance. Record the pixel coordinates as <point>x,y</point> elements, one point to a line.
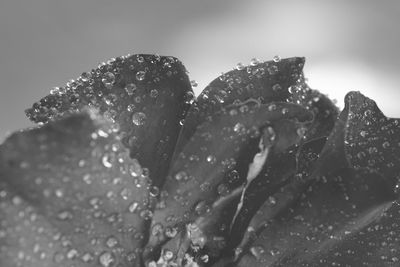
<point>146,96</point>
<point>70,195</point>
<point>216,160</point>
<point>263,81</point>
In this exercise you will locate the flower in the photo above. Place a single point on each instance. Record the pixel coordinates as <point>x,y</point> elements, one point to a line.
<point>128,168</point>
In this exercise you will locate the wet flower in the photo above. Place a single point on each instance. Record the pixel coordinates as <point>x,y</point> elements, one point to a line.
<point>128,168</point>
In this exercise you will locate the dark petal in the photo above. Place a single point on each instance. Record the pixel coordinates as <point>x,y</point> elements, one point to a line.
<point>274,190</point>
<point>372,141</point>
<point>145,95</point>
<point>337,200</point>
<point>266,82</point>
<point>363,138</point>
<point>377,244</point>
<point>331,210</point>
<point>325,112</point>
<point>70,195</point>
<point>225,144</point>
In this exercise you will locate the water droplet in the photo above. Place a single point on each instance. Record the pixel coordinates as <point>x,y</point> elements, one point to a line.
<point>140,75</point>
<point>239,128</point>
<point>146,214</point>
<point>154,191</point>
<point>271,200</point>
<point>106,259</point>
<point>240,66</point>
<point>202,208</point>
<point>277,87</point>
<point>87,257</point>
<point>108,80</point>
<point>276,58</point>
<point>139,118</point>
<point>106,160</point>
<point>181,176</point>
<point>254,61</point>
<point>211,159</point>
<point>167,255</point>
<point>171,232</point>
<point>223,189</point>
<point>86,76</point>
<point>157,229</point>
<point>193,83</point>
<point>133,207</point>
<point>64,215</point>
<point>153,93</point>
<point>272,69</point>
<point>111,241</point>
<point>72,253</point>
<point>130,107</point>
<point>257,251</point>
<point>125,193</point>
<point>130,88</point>
<point>386,144</point>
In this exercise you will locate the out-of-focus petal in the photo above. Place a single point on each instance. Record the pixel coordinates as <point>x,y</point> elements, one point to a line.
<point>70,195</point>
<point>146,96</point>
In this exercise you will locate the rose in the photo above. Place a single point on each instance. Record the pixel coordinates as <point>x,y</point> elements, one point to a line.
<point>263,172</point>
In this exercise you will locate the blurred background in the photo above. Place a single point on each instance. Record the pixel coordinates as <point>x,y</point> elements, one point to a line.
<point>349,45</point>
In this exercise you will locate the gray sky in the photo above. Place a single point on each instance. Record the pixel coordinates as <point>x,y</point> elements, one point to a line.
<point>349,45</point>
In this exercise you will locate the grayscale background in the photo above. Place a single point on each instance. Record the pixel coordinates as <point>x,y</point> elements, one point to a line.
<point>349,45</point>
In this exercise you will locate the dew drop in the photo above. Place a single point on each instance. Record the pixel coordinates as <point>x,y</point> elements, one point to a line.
<point>171,232</point>
<point>386,144</point>
<point>277,87</point>
<point>140,75</point>
<point>130,107</point>
<point>239,128</point>
<point>154,191</point>
<point>153,93</point>
<point>133,207</point>
<point>111,241</point>
<point>87,257</point>
<point>257,251</point>
<point>146,214</point>
<point>276,58</point>
<point>130,88</point>
<point>193,83</point>
<point>86,76</point>
<point>181,176</point>
<point>139,118</point>
<point>108,80</point>
<point>211,159</point>
<point>64,215</point>
<point>106,160</point>
<point>254,61</point>
<point>363,133</point>
<point>72,253</point>
<point>106,259</point>
<point>240,66</point>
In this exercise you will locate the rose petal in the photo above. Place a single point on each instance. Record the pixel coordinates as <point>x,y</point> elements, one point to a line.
<point>70,190</point>
<point>266,82</point>
<point>340,199</point>
<point>226,143</point>
<point>331,210</point>
<point>364,138</point>
<point>273,191</point>
<point>146,95</point>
